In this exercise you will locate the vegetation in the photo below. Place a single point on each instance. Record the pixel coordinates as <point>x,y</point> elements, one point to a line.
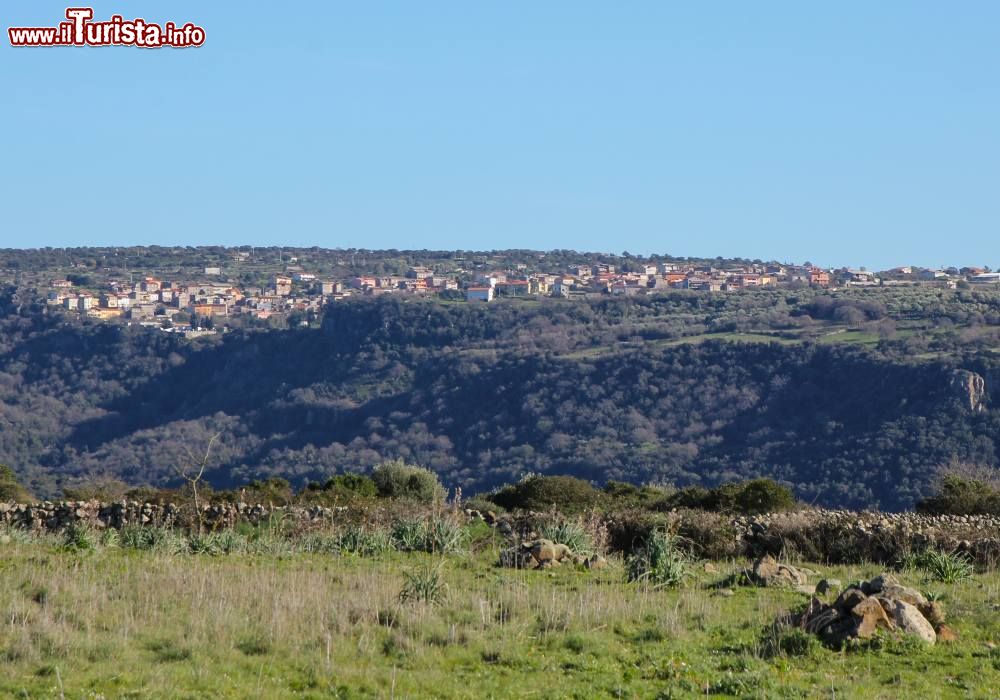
<point>956,495</point>
<point>564,493</point>
<point>659,561</point>
<point>112,622</point>
<point>646,391</point>
<point>751,497</point>
<point>397,479</point>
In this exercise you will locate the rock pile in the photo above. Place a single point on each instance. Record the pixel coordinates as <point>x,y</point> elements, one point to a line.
<point>865,608</point>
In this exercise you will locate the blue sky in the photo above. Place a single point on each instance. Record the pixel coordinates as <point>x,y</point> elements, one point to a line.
<point>852,133</point>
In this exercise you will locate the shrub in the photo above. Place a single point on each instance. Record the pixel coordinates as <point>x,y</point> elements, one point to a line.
<point>445,536</point>
<point>424,585</point>
<point>351,486</point>
<point>571,533</point>
<point>409,535</point>
<point>960,496</point>
<point>941,566</point>
<point>752,497</point>
<point>356,539</point>
<point>10,488</point>
<point>400,480</point>
<point>565,493</point>
<point>659,562</point>
<point>79,538</point>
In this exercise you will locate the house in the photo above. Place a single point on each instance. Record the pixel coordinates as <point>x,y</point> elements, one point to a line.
<point>513,288</point>
<point>213,270</point>
<point>419,273</point>
<point>819,278</point>
<point>282,285</point>
<point>986,278</point>
<point>479,294</point>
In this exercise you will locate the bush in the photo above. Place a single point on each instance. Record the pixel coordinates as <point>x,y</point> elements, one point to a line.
<point>400,480</point>
<point>960,496</point>
<point>752,497</point>
<point>424,585</point>
<point>350,486</point>
<point>565,493</point>
<point>571,533</point>
<point>10,488</point>
<point>941,566</point>
<point>659,562</point>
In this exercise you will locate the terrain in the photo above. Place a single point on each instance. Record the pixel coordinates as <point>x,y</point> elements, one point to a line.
<point>98,619</point>
<point>854,398</point>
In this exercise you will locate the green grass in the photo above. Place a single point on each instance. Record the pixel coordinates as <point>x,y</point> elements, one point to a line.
<point>126,623</point>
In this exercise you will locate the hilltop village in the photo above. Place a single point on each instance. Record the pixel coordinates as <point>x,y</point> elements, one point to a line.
<point>241,287</point>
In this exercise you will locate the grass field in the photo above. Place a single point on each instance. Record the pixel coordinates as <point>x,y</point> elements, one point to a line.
<point>111,622</point>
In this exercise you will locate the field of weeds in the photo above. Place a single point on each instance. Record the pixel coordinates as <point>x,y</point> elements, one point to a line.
<point>356,614</point>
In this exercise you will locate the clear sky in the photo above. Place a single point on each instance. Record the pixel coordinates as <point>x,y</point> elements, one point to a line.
<point>847,133</point>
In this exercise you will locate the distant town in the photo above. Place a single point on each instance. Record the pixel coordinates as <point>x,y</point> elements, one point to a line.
<point>242,285</point>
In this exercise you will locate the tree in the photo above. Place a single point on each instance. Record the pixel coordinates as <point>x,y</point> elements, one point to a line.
<point>10,488</point>
<point>193,474</point>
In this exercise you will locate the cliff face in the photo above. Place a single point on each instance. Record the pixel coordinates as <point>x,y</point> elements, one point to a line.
<point>971,389</point>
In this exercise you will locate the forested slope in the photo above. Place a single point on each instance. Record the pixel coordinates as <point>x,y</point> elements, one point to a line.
<point>482,394</point>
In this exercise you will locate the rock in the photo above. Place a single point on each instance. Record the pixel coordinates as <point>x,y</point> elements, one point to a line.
<point>894,591</point>
<point>710,568</point>
<point>821,620</point>
<point>828,585</point>
<point>561,552</point>
<point>877,583</point>
<point>869,618</point>
<point>767,571</point>
<point>849,598</point>
<point>934,614</point>
<point>909,620</point>
<point>579,560</point>
<point>970,388</point>
<point>725,592</point>
<point>543,551</point>
<point>947,634</point>
<point>806,589</point>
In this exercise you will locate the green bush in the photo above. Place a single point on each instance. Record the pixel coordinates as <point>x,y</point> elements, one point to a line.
<point>351,486</point>
<point>564,493</point>
<point>660,562</point>
<point>752,497</point>
<point>10,488</point>
<point>400,480</point>
<point>960,496</point>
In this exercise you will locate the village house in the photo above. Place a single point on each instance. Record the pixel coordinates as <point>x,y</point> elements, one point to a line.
<point>479,294</point>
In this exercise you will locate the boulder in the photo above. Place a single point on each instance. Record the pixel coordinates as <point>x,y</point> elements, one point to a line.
<point>934,614</point>
<point>543,551</point>
<point>909,620</point>
<point>894,591</point>
<point>596,562</point>
<point>767,571</point>
<point>561,552</point>
<point>848,599</point>
<point>869,617</point>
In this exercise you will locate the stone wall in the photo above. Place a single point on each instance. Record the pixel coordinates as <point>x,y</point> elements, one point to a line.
<point>54,516</point>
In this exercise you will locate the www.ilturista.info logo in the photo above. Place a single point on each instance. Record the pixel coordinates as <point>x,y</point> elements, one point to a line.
<point>80,30</point>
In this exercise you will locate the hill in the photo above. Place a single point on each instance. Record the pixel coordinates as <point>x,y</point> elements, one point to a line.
<point>680,388</point>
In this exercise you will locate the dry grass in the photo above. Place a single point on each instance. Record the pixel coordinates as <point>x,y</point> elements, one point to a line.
<point>118,623</point>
